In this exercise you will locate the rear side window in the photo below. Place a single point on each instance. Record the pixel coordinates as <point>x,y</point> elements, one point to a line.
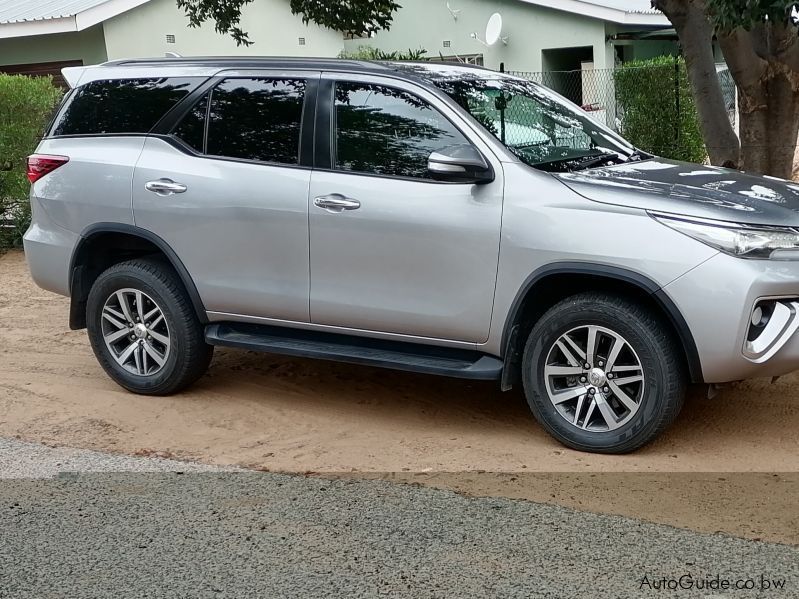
<point>256,119</point>
<point>118,106</point>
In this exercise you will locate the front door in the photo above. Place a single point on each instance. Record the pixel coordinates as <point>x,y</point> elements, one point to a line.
<point>391,249</point>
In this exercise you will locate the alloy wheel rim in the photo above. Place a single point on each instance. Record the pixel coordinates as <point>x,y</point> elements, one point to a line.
<point>594,378</point>
<point>135,332</point>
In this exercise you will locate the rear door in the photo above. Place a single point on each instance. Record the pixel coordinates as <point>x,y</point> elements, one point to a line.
<point>227,186</point>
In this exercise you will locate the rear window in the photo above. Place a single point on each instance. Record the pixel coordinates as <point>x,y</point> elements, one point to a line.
<point>120,105</point>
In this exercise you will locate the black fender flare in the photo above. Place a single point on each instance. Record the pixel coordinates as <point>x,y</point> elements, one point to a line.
<point>77,271</point>
<point>644,283</point>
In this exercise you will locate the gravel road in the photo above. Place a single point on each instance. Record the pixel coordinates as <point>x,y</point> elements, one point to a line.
<point>246,534</point>
<point>19,459</point>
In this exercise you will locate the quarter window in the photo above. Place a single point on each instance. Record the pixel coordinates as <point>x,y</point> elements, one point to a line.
<point>387,131</point>
<point>191,129</point>
<point>117,106</point>
<point>256,119</point>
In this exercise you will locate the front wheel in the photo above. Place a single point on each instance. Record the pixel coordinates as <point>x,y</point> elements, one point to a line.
<point>143,328</point>
<point>603,374</point>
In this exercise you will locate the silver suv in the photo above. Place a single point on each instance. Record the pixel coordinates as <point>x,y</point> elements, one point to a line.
<point>425,217</point>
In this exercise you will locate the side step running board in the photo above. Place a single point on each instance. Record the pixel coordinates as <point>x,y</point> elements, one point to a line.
<point>356,350</point>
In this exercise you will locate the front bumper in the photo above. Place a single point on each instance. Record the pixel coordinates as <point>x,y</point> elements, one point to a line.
<point>717,299</point>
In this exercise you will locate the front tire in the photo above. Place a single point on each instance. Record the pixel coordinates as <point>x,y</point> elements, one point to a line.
<point>603,374</point>
<point>144,330</point>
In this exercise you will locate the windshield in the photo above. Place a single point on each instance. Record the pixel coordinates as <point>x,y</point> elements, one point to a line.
<point>543,129</point>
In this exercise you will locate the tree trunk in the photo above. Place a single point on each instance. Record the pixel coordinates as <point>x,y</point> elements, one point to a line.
<point>783,125</point>
<point>768,93</point>
<point>695,31</point>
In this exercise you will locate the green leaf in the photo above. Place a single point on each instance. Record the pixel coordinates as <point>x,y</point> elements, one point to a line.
<point>26,105</point>
<point>355,17</point>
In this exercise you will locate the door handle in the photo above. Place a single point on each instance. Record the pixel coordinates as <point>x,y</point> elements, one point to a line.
<point>165,187</point>
<point>335,202</point>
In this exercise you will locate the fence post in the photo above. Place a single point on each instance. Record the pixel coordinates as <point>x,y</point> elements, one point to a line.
<point>677,101</point>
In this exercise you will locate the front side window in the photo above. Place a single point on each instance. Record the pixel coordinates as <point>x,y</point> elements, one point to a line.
<point>120,106</point>
<point>385,131</point>
<point>256,119</point>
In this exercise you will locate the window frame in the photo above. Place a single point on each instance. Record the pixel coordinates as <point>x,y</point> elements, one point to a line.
<point>325,146</point>
<point>166,128</point>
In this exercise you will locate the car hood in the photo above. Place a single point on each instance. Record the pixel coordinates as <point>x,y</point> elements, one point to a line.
<point>686,189</point>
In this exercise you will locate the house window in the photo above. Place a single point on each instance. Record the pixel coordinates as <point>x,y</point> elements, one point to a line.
<point>302,41</point>
<point>447,43</point>
<point>170,38</point>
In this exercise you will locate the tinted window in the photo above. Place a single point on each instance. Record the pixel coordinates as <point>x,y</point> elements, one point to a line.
<point>192,128</point>
<point>387,131</point>
<point>120,106</point>
<point>257,119</point>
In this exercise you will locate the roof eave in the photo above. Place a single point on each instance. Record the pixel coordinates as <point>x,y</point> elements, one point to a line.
<point>68,24</point>
<point>38,27</point>
<point>604,13</point>
<point>103,12</point>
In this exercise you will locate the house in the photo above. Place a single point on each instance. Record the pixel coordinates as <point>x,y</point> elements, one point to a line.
<point>536,35</point>
<point>43,36</point>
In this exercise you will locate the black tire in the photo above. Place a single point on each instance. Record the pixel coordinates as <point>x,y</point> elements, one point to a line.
<point>660,396</point>
<point>188,357</point>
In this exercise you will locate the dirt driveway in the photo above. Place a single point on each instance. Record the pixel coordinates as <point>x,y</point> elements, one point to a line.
<point>300,415</point>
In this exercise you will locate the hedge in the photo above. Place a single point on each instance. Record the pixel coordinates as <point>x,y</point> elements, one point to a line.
<point>370,53</point>
<point>26,105</point>
<point>656,108</point>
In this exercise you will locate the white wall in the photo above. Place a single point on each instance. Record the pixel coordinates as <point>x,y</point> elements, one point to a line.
<point>531,29</point>
<point>142,32</point>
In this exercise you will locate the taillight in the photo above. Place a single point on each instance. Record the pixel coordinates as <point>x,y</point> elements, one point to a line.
<point>41,164</point>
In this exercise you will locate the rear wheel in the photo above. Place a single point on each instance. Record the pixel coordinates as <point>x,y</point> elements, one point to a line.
<point>602,373</point>
<point>143,328</point>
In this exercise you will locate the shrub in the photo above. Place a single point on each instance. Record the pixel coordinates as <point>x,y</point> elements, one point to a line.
<point>26,105</point>
<point>656,108</point>
<point>370,53</point>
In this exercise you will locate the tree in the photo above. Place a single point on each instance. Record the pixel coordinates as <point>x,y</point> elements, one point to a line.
<point>760,43</point>
<point>355,17</point>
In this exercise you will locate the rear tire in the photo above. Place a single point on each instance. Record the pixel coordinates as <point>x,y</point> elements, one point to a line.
<point>581,402</point>
<point>144,330</point>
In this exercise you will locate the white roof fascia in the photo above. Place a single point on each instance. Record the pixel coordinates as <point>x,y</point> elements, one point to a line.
<point>77,22</point>
<point>603,13</point>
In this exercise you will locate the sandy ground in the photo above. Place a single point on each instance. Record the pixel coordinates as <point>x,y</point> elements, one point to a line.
<point>294,415</point>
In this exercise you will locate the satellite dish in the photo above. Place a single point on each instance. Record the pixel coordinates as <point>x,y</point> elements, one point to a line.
<point>494,29</point>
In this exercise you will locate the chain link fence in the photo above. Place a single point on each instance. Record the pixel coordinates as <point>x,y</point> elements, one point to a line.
<point>653,95</point>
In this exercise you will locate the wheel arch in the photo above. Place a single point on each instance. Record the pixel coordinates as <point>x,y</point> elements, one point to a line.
<point>104,244</point>
<point>553,282</point>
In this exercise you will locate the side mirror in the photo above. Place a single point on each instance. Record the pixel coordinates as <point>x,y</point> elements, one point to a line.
<point>462,163</point>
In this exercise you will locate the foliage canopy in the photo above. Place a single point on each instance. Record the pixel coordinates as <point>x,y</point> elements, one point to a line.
<point>358,18</point>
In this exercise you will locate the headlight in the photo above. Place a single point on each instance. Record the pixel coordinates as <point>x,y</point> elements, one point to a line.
<point>743,241</point>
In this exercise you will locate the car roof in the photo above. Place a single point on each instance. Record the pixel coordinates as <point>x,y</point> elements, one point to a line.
<point>421,72</point>
<point>413,70</point>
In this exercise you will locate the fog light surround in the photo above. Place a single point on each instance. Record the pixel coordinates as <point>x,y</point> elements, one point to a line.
<point>772,323</point>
